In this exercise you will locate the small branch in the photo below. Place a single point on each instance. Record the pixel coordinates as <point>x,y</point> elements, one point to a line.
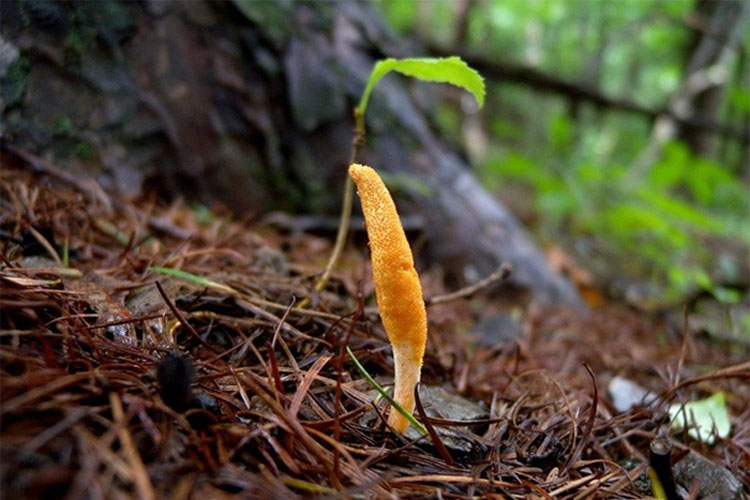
<point>741,371</point>
<point>281,322</point>
<point>501,274</point>
<point>536,79</point>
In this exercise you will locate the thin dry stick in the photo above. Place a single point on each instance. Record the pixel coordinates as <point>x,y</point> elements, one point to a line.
<point>281,322</point>
<point>442,450</point>
<point>341,234</point>
<point>140,476</point>
<point>502,273</point>
<point>741,370</point>
<point>36,393</point>
<point>280,307</point>
<point>451,478</point>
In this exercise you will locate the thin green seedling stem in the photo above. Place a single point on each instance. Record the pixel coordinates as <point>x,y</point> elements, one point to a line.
<point>341,234</point>
<point>198,280</point>
<point>361,369</point>
<point>346,209</point>
<point>448,70</point>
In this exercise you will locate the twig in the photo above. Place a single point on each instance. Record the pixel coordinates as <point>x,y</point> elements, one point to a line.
<point>497,70</point>
<point>307,381</point>
<point>741,370</point>
<point>442,450</point>
<point>502,273</point>
<point>281,322</point>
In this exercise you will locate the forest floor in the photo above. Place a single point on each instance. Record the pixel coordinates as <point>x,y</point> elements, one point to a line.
<point>121,379</point>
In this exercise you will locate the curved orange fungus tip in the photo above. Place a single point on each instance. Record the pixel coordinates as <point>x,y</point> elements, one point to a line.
<point>397,288</point>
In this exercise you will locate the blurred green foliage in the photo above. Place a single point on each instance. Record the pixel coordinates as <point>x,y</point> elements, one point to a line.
<point>573,164</point>
<point>659,223</point>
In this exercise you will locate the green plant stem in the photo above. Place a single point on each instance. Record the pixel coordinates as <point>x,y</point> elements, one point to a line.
<point>341,234</point>
<point>396,406</point>
<point>346,208</point>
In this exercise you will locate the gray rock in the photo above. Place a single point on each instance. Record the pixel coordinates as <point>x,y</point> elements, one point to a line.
<point>716,482</point>
<point>8,55</point>
<point>315,94</point>
<point>626,394</point>
<point>441,403</point>
<point>494,329</point>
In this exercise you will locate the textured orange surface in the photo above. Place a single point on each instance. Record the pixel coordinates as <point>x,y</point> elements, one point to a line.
<point>397,288</point>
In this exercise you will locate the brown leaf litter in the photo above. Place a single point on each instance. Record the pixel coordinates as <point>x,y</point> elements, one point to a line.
<point>114,387</point>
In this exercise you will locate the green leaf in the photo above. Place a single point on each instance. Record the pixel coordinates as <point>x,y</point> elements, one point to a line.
<point>703,417</point>
<point>679,211</point>
<point>361,369</point>
<point>451,70</point>
<point>740,98</point>
<point>193,278</point>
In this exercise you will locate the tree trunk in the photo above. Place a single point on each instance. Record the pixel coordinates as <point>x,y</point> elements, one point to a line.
<point>707,73</point>
<point>249,103</point>
<point>721,33</point>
